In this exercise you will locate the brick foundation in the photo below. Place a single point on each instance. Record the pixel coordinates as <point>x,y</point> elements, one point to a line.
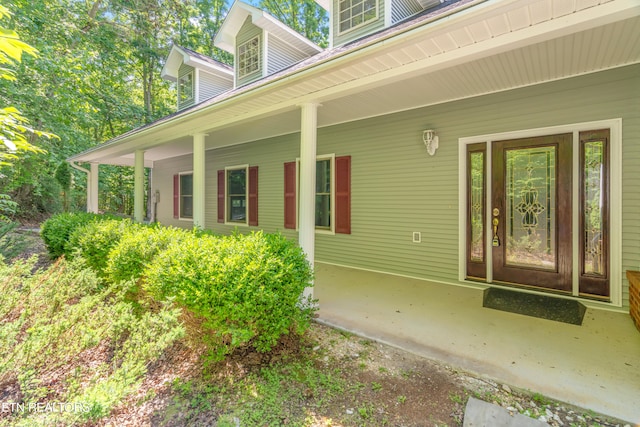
<point>634,296</point>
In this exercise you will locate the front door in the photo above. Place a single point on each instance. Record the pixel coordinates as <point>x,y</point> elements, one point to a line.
<point>524,206</point>
<point>531,212</point>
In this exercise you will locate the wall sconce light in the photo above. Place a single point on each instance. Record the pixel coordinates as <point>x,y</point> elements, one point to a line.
<point>430,140</point>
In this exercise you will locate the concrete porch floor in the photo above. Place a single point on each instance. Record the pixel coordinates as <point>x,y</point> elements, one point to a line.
<point>595,366</point>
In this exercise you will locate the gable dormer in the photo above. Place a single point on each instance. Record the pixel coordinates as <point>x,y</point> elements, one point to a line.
<point>353,19</point>
<point>198,77</point>
<point>261,45</point>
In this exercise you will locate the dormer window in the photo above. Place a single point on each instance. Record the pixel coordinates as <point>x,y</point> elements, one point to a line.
<point>249,57</point>
<point>354,13</point>
<point>185,88</point>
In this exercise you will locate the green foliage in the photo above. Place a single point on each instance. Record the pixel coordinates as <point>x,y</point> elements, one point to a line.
<point>94,240</point>
<point>246,287</point>
<point>7,207</point>
<point>304,16</point>
<point>11,244</point>
<point>56,230</point>
<point>48,319</point>
<point>137,248</point>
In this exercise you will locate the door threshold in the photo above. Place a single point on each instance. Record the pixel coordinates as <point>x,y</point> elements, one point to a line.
<point>541,306</point>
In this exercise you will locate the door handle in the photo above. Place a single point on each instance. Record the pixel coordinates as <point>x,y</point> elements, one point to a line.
<point>496,222</point>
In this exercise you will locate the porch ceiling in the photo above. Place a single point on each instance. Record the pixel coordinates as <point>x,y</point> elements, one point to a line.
<point>489,47</point>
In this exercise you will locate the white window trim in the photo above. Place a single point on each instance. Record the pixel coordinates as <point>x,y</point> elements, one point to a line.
<point>615,201</point>
<point>180,217</point>
<point>260,55</point>
<point>326,231</point>
<point>362,24</point>
<point>246,195</point>
<point>193,88</point>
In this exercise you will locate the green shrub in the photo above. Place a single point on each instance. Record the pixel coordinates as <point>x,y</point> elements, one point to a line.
<point>247,288</point>
<point>55,325</point>
<point>57,229</point>
<point>94,240</point>
<point>137,248</point>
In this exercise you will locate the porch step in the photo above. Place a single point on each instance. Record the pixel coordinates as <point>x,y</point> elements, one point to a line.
<point>541,306</point>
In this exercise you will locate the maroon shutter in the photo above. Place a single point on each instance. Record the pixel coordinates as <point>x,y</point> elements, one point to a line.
<point>343,195</point>
<point>253,195</point>
<point>290,195</point>
<point>176,196</point>
<point>221,196</point>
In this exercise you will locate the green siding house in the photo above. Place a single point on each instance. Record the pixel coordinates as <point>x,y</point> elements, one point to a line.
<point>473,143</point>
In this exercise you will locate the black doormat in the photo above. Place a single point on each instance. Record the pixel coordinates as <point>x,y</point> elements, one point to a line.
<point>542,306</point>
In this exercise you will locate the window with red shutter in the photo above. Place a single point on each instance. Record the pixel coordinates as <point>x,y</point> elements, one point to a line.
<point>176,196</point>
<point>343,195</point>
<point>253,195</point>
<point>290,206</point>
<point>342,177</point>
<point>221,196</point>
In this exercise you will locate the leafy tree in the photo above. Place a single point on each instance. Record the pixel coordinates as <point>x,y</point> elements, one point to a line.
<point>304,16</point>
<point>13,126</point>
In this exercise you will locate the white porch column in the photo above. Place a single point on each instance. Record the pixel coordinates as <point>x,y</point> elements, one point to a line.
<point>307,191</point>
<point>92,188</point>
<point>138,187</point>
<point>198,180</point>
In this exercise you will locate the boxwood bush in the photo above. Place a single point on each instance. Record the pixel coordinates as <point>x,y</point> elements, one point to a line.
<point>56,230</point>
<point>247,288</point>
<point>137,247</point>
<point>94,241</point>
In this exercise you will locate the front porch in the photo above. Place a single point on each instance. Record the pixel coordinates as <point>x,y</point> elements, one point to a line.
<point>594,366</point>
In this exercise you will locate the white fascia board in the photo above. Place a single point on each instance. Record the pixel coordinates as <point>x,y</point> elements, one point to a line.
<point>209,67</point>
<point>325,4</point>
<point>172,64</point>
<point>273,25</point>
<point>225,39</point>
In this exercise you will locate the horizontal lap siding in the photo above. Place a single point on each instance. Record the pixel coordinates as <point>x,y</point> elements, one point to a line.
<point>401,9</point>
<point>397,188</point>
<point>211,85</point>
<point>281,54</point>
<point>162,181</point>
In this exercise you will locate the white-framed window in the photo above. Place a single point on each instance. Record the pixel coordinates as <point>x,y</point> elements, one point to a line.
<point>186,195</point>
<point>354,13</point>
<point>185,88</point>
<point>249,57</point>
<point>324,193</point>
<point>236,183</point>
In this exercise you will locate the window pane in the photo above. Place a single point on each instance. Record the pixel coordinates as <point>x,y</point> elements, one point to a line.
<point>186,185</point>
<point>249,57</point>
<point>237,182</point>
<point>323,210</point>
<point>237,198</point>
<point>476,204</point>
<point>355,12</point>
<point>593,208</point>
<point>531,207</point>
<point>185,87</point>
<point>323,176</point>
<point>186,206</point>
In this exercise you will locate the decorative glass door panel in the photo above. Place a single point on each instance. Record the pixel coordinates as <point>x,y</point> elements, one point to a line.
<point>594,213</point>
<point>476,218</point>
<point>531,208</point>
<point>531,215</point>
